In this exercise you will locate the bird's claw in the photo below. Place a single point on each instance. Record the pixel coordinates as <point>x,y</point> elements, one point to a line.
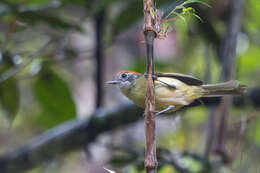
<point>171,107</point>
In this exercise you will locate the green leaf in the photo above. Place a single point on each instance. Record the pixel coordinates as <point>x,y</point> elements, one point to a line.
<point>9,92</point>
<point>250,60</point>
<point>54,21</point>
<point>54,97</point>
<point>191,164</point>
<point>195,1</point>
<point>75,2</point>
<point>128,16</point>
<point>37,1</point>
<point>101,4</point>
<point>121,161</point>
<point>4,10</point>
<point>166,169</point>
<point>152,13</point>
<point>254,132</point>
<point>26,2</point>
<point>9,98</point>
<point>182,9</point>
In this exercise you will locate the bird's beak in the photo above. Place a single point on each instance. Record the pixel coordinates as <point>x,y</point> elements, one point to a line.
<point>114,82</point>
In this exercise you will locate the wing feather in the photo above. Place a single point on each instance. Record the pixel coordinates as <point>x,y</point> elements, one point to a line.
<point>190,80</point>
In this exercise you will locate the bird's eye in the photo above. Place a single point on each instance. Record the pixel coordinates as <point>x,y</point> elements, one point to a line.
<point>123,75</point>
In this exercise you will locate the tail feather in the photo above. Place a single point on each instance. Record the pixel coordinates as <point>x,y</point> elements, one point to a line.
<point>232,87</point>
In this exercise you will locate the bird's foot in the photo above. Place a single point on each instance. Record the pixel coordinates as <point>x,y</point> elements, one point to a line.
<point>169,108</point>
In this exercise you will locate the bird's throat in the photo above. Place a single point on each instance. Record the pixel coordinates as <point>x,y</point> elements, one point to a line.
<point>136,91</point>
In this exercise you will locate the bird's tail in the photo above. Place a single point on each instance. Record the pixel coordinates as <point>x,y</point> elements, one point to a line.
<point>226,88</point>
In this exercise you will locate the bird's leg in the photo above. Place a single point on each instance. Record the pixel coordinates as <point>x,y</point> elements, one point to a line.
<point>165,83</point>
<point>171,107</point>
<point>201,102</point>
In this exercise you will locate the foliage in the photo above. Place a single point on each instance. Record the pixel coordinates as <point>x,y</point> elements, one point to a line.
<point>42,95</point>
<point>180,11</point>
<point>9,92</point>
<point>54,96</point>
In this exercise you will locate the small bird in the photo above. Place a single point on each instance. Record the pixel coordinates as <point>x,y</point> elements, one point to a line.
<point>172,90</point>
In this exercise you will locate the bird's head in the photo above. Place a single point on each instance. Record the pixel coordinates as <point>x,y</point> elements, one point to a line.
<point>125,79</point>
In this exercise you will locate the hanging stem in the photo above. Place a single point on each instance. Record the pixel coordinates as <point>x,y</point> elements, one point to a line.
<point>150,158</point>
<point>99,56</point>
<point>150,33</point>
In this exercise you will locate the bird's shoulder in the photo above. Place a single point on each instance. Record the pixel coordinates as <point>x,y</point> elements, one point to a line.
<point>187,79</point>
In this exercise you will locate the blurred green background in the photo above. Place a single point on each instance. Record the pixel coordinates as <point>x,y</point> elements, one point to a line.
<point>55,56</point>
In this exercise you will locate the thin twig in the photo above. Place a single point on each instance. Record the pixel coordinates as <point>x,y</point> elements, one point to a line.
<point>245,121</point>
<point>177,165</point>
<point>150,159</point>
<point>13,71</point>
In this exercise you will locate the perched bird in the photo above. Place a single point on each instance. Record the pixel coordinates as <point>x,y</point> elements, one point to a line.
<point>172,90</point>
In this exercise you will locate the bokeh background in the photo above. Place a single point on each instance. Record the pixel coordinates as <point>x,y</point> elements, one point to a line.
<point>56,55</point>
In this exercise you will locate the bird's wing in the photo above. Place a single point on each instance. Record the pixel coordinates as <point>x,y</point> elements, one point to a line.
<point>108,170</point>
<point>190,80</point>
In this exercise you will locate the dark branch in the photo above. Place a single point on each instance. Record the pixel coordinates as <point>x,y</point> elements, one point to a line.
<point>177,165</point>
<point>99,56</point>
<point>73,135</point>
<point>69,136</point>
<point>228,57</point>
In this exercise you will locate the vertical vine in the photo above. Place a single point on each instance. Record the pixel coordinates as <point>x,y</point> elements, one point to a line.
<point>150,34</point>
<point>99,56</point>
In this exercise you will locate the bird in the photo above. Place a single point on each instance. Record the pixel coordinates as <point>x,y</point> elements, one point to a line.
<point>172,90</point>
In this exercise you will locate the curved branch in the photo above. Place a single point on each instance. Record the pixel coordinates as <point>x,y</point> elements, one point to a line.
<point>76,134</point>
<point>73,135</point>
